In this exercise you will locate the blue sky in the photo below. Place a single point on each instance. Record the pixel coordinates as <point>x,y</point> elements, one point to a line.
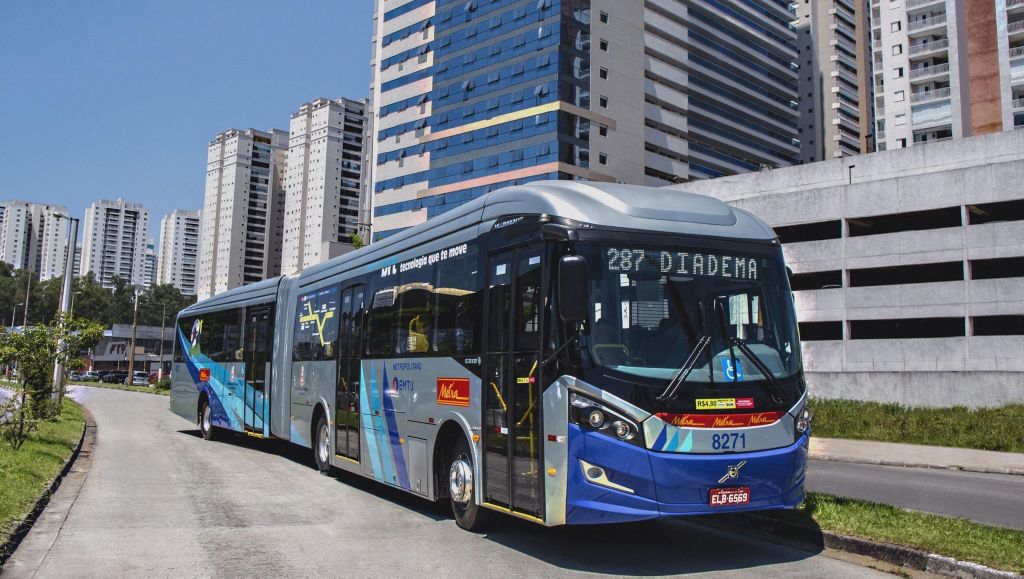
<point>114,99</point>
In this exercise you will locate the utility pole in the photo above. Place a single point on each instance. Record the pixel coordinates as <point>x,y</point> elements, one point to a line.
<point>131,354</point>
<point>14,312</point>
<point>163,322</point>
<point>65,304</point>
<point>28,290</point>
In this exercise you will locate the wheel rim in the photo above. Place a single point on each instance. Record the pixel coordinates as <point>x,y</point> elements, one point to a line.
<point>323,444</point>
<point>460,480</point>
<point>206,419</point>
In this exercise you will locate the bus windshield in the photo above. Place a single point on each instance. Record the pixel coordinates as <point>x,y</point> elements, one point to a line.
<point>679,318</point>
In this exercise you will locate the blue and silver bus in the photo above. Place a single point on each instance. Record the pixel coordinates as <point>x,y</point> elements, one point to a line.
<point>563,352</point>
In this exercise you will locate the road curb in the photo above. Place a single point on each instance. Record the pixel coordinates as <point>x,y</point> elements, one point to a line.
<point>884,462</point>
<point>806,538</point>
<point>37,533</point>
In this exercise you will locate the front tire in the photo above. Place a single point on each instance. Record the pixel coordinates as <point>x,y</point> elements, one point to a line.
<point>462,490</point>
<point>206,426</point>
<point>322,446</point>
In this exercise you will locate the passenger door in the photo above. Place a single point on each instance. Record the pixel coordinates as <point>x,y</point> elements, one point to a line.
<point>512,384</point>
<point>347,419</point>
<point>259,338</point>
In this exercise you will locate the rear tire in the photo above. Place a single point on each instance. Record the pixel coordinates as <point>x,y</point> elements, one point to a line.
<point>462,490</point>
<point>322,446</point>
<point>206,426</point>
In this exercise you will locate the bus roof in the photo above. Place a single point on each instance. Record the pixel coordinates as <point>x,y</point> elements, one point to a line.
<point>599,204</point>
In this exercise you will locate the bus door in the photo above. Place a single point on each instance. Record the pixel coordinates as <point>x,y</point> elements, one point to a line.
<point>512,421</point>
<point>346,442</point>
<point>258,334</point>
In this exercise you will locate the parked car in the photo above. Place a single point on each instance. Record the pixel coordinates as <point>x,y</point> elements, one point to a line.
<point>76,376</point>
<point>91,376</point>
<point>139,379</point>
<point>114,377</point>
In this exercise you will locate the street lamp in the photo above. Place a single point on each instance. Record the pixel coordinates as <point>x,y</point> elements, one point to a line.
<point>131,355</point>
<point>71,309</point>
<point>160,368</point>
<point>65,301</point>
<point>14,312</point>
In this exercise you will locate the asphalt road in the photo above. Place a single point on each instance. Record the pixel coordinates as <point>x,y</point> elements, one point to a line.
<point>993,499</point>
<point>161,501</point>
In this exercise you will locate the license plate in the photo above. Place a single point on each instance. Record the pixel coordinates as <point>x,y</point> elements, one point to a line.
<point>729,497</point>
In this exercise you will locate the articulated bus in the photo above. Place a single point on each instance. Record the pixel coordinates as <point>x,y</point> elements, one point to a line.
<point>564,352</point>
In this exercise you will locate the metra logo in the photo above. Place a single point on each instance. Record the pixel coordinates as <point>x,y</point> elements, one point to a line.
<point>720,420</point>
<point>453,391</point>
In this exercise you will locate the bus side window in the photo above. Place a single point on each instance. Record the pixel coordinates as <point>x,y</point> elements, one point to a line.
<point>457,296</point>
<point>381,318</point>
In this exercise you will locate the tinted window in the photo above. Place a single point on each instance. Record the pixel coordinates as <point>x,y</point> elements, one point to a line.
<point>457,296</point>
<point>316,326</point>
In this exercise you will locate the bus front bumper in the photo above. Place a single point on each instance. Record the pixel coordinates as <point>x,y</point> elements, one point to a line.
<point>612,481</point>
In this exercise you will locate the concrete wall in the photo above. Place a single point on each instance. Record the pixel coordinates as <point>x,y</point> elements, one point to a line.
<point>969,369</point>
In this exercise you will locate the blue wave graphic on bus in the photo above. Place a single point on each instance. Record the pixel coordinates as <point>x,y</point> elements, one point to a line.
<point>231,399</point>
<point>383,441</point>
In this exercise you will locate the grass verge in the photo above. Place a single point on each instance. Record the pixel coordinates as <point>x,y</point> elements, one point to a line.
<point>154,389</point>
<point>26,473</point>
<point>982,428</point>
<point>958,538</point>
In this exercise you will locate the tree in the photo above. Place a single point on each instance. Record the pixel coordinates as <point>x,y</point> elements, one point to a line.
<point>34,350</point>
<point>357,240</point>
<point>161,299</point>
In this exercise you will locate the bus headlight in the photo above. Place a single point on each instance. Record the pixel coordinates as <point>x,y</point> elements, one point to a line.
<point>599,417</point>
<point>803,423</point>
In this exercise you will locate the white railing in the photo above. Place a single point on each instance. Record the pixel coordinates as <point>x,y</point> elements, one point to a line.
<point>927,22</point>
<point>929,70</point>
<point>1015,27</point>
<point>928,95</point>
<point>916,3</point>
<point>929,46</point>
<point>1017,52</point>
<point>1014,3</point>
<point>1018,103</point>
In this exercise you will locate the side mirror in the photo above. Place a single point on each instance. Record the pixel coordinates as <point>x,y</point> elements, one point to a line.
<point>572,288</point>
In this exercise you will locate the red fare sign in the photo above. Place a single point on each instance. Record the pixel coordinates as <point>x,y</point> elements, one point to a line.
<point>204,374</point>
<point>453,391</point>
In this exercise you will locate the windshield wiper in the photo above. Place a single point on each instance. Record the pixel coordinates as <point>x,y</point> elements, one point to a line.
<point>778,394</point>
<point>684,371</point>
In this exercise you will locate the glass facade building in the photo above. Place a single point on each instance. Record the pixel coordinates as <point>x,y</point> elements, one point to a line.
<point>470,96</point>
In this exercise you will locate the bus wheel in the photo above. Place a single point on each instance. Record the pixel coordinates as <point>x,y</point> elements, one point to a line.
<point>468,514</point>
<point>322,446</point>
<point>206,426</point>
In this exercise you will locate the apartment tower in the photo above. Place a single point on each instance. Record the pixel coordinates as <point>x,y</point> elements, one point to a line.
<point>324,182</point>
<point>114,242</point>
<point>470,96</point>
<point>243,208</point>
<point>835,85</point>
<point>33,238</point>
<point>179,250</point>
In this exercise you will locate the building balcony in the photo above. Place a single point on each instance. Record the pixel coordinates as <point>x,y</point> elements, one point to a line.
<point>929,47</point>
<point>1018,104</point>
<point>1016,52</point>
<point>1015,28</point>
<point>926,23</point>
<point>913,4</point>
<point>1014,5</point>
<point>929,95</point>
<point>928,72</point>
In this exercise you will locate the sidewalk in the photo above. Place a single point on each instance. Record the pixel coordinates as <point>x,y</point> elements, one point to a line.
<point>894,454</point>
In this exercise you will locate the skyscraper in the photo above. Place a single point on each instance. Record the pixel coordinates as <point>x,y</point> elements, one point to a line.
<point>469,96</point>
<point>835,79</point>
<point>324,182</point>
<point>179,250</point>
<point>946,69</point>
<point>32,238</point>
<point>114,241</point>
<point>242,213</point>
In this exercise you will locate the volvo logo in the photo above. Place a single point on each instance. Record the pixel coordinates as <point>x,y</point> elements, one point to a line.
<point>732,472</point>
